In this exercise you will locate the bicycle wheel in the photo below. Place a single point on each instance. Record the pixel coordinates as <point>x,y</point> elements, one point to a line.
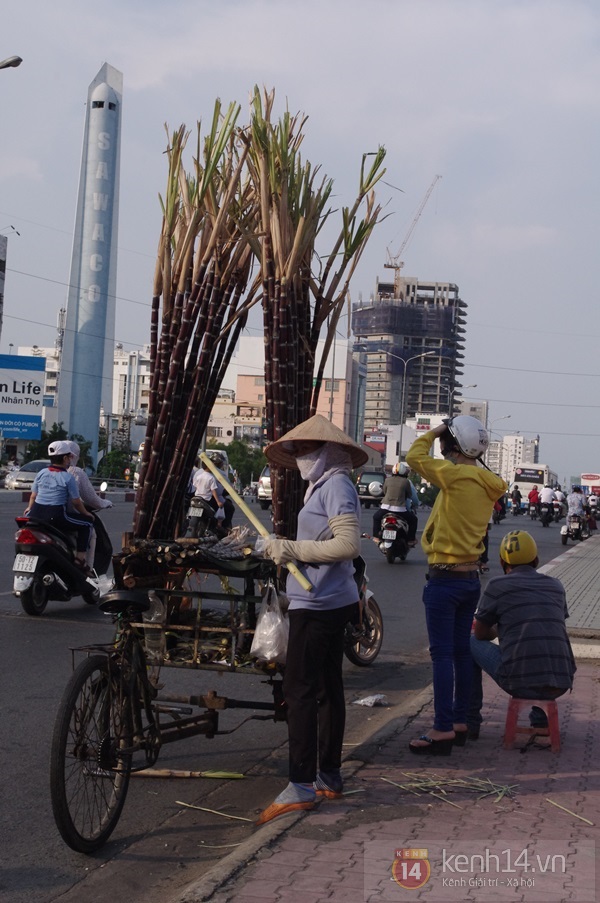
<point>89,773</point>
<point>365,648</point>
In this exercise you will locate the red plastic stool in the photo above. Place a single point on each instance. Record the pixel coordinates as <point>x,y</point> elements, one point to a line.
<point>512,728</point>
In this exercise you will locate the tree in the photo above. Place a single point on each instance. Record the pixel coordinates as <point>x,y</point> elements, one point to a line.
<point>113,465</point>
<point>39,449</point>
<point>246,460</point>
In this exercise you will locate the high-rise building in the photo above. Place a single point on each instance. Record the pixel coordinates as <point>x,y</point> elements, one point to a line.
<point>506,454</point>
<point>412,339</point>
<point>86,368</point>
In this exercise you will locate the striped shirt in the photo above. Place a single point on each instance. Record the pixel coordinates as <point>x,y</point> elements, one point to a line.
<point>529,610</point>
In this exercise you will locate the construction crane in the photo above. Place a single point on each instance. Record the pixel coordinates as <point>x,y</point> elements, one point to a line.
<point>395,262</point>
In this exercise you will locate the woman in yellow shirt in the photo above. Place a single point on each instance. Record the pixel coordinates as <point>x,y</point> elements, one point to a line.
<point>453,542</point>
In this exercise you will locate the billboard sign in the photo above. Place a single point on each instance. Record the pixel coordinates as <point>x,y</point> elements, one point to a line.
<point>21,396</point>
<point>530,474</point>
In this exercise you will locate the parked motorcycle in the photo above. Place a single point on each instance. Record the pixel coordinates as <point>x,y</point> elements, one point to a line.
<point>533,511</point>
<point>362,641</point>
<point>546,513</point>
<point>394,537</point>
<point>44,567</point>
<point>576,528</point>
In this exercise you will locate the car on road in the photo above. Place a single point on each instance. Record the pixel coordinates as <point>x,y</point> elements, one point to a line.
<point>23,477</point>
<point>369,486</point>
<point>264,493</point>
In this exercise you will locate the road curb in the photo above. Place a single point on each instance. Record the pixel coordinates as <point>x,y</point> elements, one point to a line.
<point>229,867</point>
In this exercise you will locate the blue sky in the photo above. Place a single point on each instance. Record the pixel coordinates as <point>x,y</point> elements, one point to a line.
<point>500,98</point>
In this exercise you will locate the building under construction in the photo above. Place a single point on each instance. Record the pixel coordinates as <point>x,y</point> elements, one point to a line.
<point>412,335</point>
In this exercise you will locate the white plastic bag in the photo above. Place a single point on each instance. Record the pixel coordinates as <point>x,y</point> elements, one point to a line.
<point>272,629</point>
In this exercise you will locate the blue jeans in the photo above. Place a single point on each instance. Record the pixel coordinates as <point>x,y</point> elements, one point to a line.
<point>487,657</point>
<point>449,608</point>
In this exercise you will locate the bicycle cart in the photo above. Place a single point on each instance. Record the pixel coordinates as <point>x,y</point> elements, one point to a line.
<point>113,721</point>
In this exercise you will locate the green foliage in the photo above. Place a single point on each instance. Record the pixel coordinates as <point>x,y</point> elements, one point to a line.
<point>113,465</point>
<point>246,460</point>
<point>39,448</point>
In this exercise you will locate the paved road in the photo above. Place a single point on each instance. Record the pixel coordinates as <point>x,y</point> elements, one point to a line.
<point>157,843</point>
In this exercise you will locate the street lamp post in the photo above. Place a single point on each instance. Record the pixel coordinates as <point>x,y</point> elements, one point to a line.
<point>405,364</point>
<point>490,431</point>
<point>11,62</point>
<point>451,393</point>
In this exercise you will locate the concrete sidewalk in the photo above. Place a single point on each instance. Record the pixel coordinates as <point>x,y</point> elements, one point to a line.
<point>512,844</point>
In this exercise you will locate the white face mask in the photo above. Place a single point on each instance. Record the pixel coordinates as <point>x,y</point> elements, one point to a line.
<point>312,465</point>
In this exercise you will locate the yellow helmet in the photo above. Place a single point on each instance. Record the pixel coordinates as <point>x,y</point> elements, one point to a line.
<point>518,547</point>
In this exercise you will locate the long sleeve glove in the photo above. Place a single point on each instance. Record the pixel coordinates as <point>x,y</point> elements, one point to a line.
<point>344,545</point>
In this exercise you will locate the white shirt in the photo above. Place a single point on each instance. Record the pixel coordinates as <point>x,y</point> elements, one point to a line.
<point>547,495</point>
<point>204,484</point>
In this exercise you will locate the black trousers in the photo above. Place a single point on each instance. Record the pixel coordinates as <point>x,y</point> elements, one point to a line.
<point>313,689</point>
<point>58,516</point>
<point>409,516</point>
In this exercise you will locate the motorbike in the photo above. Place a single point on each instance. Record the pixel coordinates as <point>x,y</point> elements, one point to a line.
<point>533,511</point>
<point>558,512</point>
<point>362,641</point>
<point>576,528</point>
<point>201,517</point>
<point>394,537</point>
<point>44,567</point>
<point>546,513</point>
<point>516,507</point>
<point>498,515</point>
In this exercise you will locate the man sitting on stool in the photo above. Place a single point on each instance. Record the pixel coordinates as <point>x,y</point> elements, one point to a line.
<point>526,611</point>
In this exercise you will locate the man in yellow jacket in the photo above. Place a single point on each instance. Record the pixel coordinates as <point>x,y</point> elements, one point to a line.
<point>453,542</point>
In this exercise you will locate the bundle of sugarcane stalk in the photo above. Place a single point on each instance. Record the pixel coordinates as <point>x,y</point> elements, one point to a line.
<point>203,267</point>
<point>236,546</point>
<point>296,301</point>
<point>250,199</point>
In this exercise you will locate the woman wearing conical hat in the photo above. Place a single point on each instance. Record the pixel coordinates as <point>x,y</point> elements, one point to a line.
<point>328,540</point>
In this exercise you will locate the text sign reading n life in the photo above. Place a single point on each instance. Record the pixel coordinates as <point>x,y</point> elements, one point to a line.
<point>21,396</point>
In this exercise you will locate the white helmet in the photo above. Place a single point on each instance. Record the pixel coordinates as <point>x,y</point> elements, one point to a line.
<point>75,451</point>
<point>401,469</point>
<point>470,435</point>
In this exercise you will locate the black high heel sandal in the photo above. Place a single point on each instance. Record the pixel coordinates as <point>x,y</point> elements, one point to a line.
<point>434,747</point>
<point>460,738</point>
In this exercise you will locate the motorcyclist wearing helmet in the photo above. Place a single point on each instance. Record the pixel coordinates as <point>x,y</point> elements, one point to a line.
<point>526,611</point>
<point>52,489</point>
<point>224,501</point>
<point>396,493</point>
<point>533,498</point>
<point>547,495</point>
<point>516,498</point>
<point>88,495</point>
<point>453,542</point>
<point>576,502</point>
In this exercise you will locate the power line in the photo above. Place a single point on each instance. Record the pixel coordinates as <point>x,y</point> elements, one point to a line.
<point>539,404</point>
<point>70,285</point>
<point>523,370</point>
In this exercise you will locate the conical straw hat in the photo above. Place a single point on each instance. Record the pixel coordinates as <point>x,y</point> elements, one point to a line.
<point>315,429</point>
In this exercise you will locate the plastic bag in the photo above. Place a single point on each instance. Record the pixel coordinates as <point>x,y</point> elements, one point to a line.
<point>272,629</point>
<point>262,542</point>
<point>220,514</point>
